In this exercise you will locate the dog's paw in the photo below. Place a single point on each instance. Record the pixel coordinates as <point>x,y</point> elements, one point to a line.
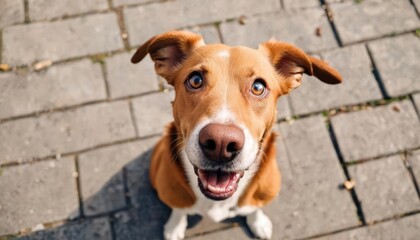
<point>175,227</point>
<point>260,225</point>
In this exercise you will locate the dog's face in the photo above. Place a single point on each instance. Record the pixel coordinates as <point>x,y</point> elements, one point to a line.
<point>225,101</point>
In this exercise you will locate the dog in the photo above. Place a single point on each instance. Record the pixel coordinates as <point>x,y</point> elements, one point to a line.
<point>217,158</point>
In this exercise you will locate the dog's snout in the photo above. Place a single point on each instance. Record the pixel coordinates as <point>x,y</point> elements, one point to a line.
<point>221,142</point>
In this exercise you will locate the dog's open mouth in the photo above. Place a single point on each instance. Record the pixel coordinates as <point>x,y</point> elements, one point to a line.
<point>218,185</point>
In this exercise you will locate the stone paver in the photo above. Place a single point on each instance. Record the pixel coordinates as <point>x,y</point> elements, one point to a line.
<point>142,22</point>
<point>66,131</point>
<point>128,2</point>
<point>225,234</point>
<point>199,225</point>
<point>149,215</point>
<point>152,112</point>
<point>209,33</point>
<point>44,9</point>
<point>61,40</point>
<point>146,221</point>
<point>37,193</point>
<point>406,228</point>
<point>384,188</point>
<point>282,26</point>
<point>58,86</point>
<point>101,176</point>
<point>416,99</point>
<point>310,201</point>
<point>413,159</point>
<point>374,19</point>
<point>354,65</point>
<point>417,3</point>
<point>125,78</point>
<point>11,12</point>
<point>96,229</point>
<point>397,61</point>
<point>283,108</point>
<point>382,130</point>
<point>300,4</point>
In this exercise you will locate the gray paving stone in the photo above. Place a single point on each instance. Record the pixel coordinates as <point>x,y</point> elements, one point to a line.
<point>101,176</point>
<point>359,84</point>
<point>226,234</point>
<point>283,108</point>
<point>11,12</point>
<point>37,193</point>
<point>310,201</point>
<point>342,1</point>
<point>128,2</point>
<point>58,86</point>
<point>384,188</point>
<point>374,19</point>
<point>44,9</point>
<point>209,33</point>
<point>406,228</point>
<point>300,4</point>
<point>149,214</point>
<point>61,40</point>
<point>146,221</point>
<point>282,26</point>
<point>198,225</point>
<point>125,78</point>
<point>397,61</point>
<point>137,171</point>
<point>66,131</point>
<point>98,228</point>
<point>381,130</point>
<point>417,3</point>
<point>413,159</point>
<point>416,100</point>
<point>142,22</point>
<point>152,112</point>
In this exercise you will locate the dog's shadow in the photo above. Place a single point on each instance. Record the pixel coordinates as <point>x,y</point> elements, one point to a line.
<point>141,214</point>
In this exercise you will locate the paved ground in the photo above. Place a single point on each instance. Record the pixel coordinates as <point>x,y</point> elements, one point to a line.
<point>77,120</point>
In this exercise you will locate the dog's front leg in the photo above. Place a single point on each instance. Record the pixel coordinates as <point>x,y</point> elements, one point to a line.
<point>176,225</point>
<point>260,224</point>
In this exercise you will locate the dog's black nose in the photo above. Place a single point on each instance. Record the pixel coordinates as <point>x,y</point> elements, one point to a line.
<point>221,142</point>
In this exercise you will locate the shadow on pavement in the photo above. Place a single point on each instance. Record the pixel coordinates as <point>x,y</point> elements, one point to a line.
<point>143,216</point>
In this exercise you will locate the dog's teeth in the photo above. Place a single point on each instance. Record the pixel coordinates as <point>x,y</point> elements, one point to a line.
<point>216,189</point>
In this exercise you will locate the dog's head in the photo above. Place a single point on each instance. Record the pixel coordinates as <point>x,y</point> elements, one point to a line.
<point>225,99</point>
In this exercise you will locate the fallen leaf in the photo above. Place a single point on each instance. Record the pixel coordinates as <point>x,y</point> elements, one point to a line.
<point>396,108</point>
<point>242,20</point>
<point>318,31</point>
<point>42,64</point>
<point>4,67</point>
<point>349,185</point>
<point>38,227</point>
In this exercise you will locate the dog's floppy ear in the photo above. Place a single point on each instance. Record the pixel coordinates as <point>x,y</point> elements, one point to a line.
<point>291,62</point>
<point>168,51</point>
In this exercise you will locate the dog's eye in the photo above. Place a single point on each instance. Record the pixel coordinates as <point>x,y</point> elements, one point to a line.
<point>195,81</point>
<point>258,87</point>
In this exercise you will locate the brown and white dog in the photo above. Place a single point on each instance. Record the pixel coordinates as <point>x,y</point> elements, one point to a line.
<point>218,156</point>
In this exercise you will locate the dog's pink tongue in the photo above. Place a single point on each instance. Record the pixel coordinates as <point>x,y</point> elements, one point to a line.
<point>218,179</point>
<point>217,182</point>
